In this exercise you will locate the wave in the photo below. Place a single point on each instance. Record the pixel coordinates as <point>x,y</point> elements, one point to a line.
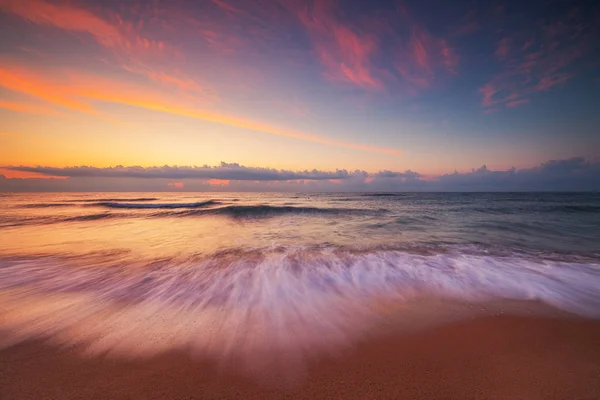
<point>160,205</point>
<point>529,208</point>
<point>384,195</point>
<point>47,205</point>
<point>88,217</point>
<point>265,211</point>
<point>577,208</point>
<point>115,199</point>
<point>182,210</point>
<point>247,302</point>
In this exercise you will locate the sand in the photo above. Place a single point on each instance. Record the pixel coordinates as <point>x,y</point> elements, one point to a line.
<point>499,357</point>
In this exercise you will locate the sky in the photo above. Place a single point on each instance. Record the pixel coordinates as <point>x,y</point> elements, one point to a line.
<point>294,95</point>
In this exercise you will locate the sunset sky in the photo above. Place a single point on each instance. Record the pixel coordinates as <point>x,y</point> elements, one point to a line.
<point>287,94</point>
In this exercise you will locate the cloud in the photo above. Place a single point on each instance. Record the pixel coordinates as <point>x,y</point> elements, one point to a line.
<point>224,171</point>
<point>182,83</point>
<point>356,52</point>
<point>543,56</point>
<point>76,91</point>
<point>114,35</point>
<point>503,48</point>
<point>124,39</point>
<point>29,108</point>
<point>420,60</point>
<point>345,54</point>
<point>392,174</point>
<point>517,103</point>
<point>573,174</point>
<point>226,6</point>
<point>28,82</point>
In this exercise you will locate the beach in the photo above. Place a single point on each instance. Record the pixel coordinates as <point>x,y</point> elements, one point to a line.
<point>299,296</point>
<point>492,357</point>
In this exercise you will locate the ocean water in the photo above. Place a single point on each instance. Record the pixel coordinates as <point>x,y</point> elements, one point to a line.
<point>237,275</point>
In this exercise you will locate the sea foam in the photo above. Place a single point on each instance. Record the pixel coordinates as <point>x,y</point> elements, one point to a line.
<point>244,304</point>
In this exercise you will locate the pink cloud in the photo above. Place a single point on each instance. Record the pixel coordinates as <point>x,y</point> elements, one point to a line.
<point>351,53</point>
<point>226,6</point>
<point>517,103</point>
<point>420,62</point>
<point>488,91</point>
<point>345,54</point>
<point>10,174</point>
<point>546,58</point>
<point>111,34</point>
<point>449,56</point>
<point>527,44</point>
<point>503,49</point>
<point>546,82</point>
<point>218,182</point>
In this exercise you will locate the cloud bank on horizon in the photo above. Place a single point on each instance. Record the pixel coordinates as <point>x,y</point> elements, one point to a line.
<point>574,174</point>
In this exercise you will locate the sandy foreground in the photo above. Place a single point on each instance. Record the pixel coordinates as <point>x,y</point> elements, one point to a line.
<point>497,357</point>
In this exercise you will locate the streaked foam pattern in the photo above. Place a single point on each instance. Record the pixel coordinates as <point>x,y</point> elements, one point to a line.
<point>248,303</point>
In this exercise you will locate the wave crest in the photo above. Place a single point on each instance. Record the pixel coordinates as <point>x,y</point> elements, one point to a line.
<point>159,205</point>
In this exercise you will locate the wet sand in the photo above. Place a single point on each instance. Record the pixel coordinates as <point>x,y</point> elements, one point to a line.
<point>497,357</point>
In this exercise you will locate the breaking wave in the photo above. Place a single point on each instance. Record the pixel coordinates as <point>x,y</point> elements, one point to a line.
<point>159,205</point>
<point>246,303</point>
<point>88,217</point>
<point>182,210</point>
<point>384,194</point>
<point>47,205</point>
<point>265,211</point>
<point>115,199</point>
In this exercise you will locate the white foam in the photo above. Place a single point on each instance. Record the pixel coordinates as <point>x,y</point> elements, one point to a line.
<point>293,302</point>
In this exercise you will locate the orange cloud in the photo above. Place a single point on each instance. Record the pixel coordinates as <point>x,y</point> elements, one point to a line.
<point>24,81</point>
<point>182,83</point>
<point>29,108</point>
<point>121,37</point>
<point>76,91</point>
<point>177,185</point>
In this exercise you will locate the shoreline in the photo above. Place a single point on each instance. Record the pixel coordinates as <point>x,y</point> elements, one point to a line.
<point>485,357</point>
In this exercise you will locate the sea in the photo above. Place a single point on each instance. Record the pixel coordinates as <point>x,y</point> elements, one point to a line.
<point>241,275</point>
